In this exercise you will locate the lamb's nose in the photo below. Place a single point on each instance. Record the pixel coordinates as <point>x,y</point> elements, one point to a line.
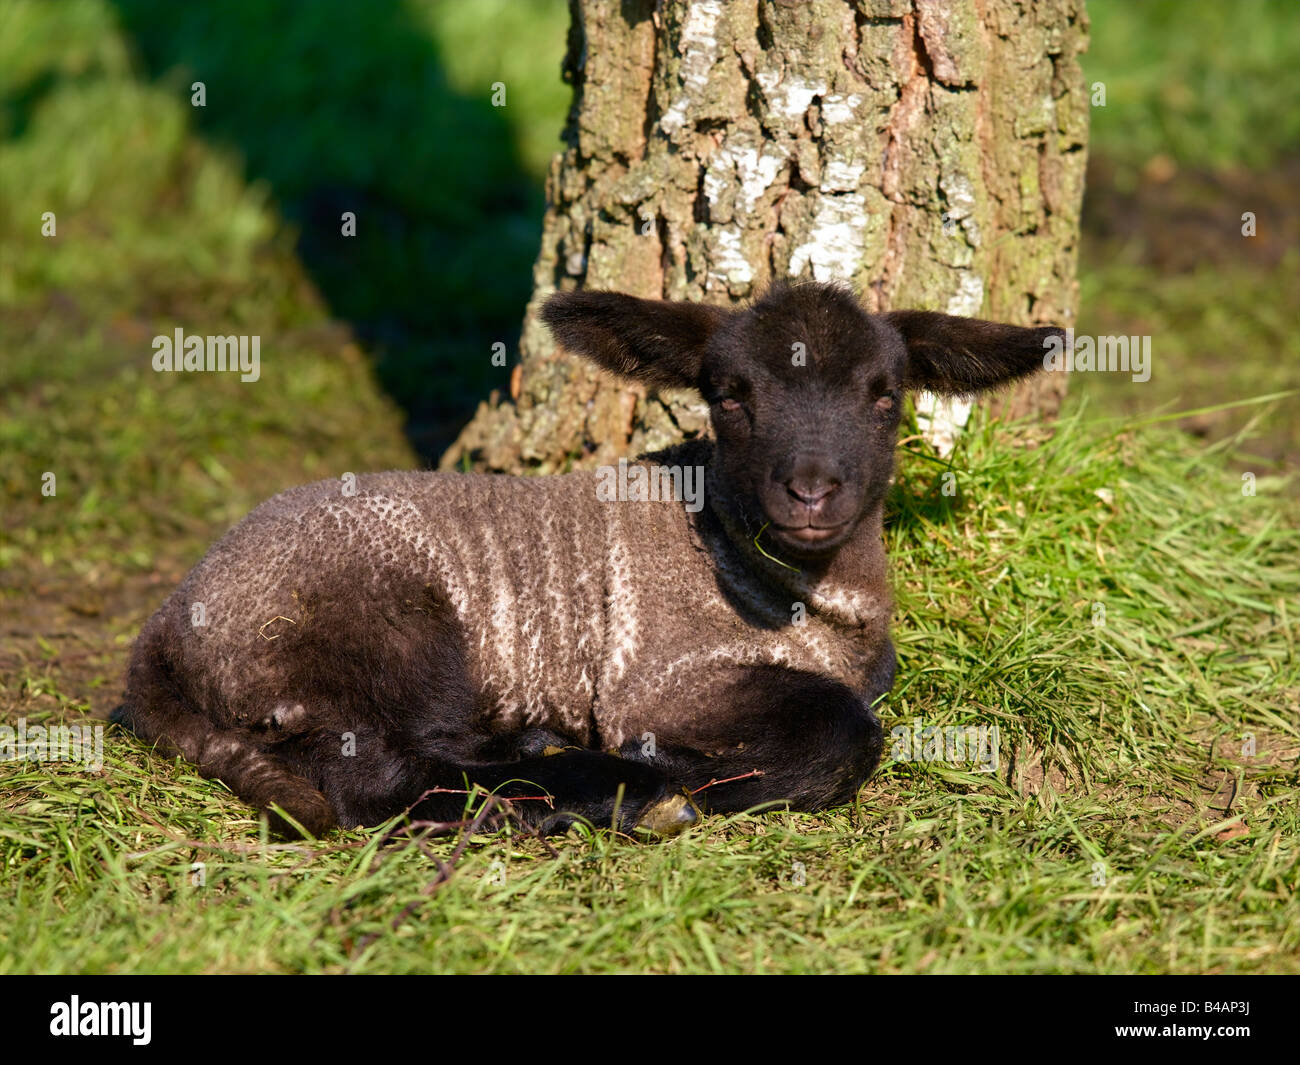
<point>810,478</point>
<point>811,492</point>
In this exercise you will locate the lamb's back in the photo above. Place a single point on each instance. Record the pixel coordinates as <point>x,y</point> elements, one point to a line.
<point>518,560</point>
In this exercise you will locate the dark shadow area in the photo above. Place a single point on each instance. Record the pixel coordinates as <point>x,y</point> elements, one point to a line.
<point>344,106</point>
<point>912,510</point>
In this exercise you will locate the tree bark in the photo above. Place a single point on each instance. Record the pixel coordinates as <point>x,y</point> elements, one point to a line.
<point>931,152</point>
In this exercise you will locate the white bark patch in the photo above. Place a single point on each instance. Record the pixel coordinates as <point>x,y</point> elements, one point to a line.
<point>839,110</point>
<point>969,297</point>
<point>751,169</point>
<point>757,171</point>
<point>841,175</point>
<point>942,418</point>
<point>837,241</point>
<point>789,96</point>
<point>699,51</point>
<point>959,194</point>
<point>717,177</point>
<point>728,258</point>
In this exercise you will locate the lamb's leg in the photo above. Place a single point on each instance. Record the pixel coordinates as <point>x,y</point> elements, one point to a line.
<point>380,771</point>
<point>813,740</point>
<point>156,709</point>
<point>233,756</point>
<point>551,792</point>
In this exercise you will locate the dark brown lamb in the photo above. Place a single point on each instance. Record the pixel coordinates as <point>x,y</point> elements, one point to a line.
<point>353,644</point>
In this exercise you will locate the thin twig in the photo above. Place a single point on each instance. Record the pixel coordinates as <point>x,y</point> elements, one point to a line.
<point>728,780</point>
<point>548,799</point>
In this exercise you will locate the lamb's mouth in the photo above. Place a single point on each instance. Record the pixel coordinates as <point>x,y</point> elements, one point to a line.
<point>810,535</point>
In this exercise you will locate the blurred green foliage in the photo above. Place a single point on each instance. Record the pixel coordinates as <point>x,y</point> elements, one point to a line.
<point>1200,125</point>
<point>1209,84</point>
<point>383,109</point>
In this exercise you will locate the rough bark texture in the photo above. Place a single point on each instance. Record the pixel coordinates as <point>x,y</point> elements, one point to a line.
<point>928,151</point>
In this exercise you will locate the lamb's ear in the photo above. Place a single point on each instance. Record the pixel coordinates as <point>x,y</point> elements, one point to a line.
<point>655,341</point>
<point>961,356</point>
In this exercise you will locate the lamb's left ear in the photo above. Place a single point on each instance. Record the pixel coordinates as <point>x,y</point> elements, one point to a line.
<point>659,342</point>
<point>960,356</point>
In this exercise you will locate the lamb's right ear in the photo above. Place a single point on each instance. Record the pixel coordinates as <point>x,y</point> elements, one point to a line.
<point>659,342</point>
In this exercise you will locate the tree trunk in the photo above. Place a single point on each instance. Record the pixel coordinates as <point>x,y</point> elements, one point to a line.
<point>928,151</point>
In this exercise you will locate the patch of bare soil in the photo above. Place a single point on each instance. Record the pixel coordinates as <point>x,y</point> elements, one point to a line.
<point>66,643</point>
<point>1236,768</point>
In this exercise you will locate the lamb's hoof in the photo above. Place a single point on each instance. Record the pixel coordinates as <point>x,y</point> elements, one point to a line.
<point>539,742</point>
<point>669,816</point>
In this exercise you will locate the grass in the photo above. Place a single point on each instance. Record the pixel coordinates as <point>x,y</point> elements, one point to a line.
<point>1128,828</point>
<point>1125,830</point>
<point>1244,341</point>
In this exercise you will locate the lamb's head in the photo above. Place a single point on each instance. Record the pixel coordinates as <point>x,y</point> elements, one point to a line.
<point>804,388</point>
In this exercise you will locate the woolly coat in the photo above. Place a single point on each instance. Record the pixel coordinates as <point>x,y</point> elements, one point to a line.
<point>599,620</point>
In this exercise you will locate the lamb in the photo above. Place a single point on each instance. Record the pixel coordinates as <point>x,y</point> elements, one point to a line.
<point>347,649</point>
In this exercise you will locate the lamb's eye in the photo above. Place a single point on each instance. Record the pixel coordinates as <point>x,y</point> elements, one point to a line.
<point>887,402</point>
